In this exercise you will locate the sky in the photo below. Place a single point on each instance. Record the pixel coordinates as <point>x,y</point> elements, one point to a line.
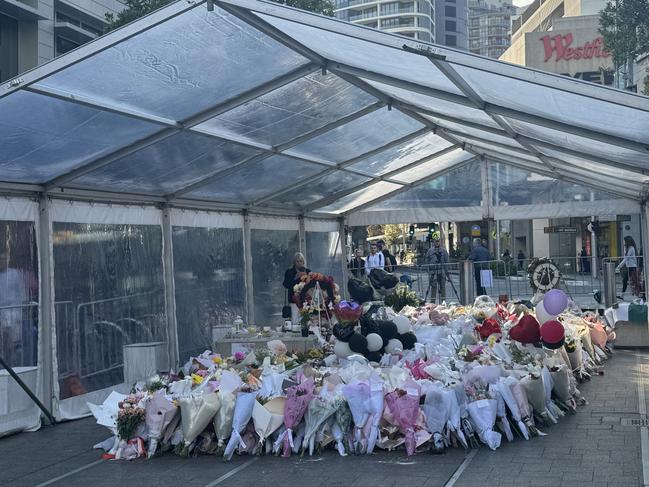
<point>521,3</point>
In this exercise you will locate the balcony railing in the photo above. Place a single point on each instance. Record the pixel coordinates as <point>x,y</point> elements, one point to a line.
<point>406,10</point>
<point>366,15</point>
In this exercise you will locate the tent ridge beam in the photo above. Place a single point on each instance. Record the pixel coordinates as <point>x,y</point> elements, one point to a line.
<point>385,177</point>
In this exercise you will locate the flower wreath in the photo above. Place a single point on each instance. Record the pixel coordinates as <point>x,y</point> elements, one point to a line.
<point>309,282</point>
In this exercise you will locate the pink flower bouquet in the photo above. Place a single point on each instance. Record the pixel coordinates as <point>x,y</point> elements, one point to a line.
<point>297,401</point>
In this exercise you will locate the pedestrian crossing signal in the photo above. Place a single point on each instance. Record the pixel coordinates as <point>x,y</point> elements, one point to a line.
<point>411,231</point>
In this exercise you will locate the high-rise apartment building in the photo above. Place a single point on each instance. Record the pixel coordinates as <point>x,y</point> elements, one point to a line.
<point>451,17</point>
<point>35,31</point>
<point>414,18</point>
<point>490,26</point>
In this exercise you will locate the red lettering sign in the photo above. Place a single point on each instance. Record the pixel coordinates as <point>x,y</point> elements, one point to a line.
<point>561,47</point>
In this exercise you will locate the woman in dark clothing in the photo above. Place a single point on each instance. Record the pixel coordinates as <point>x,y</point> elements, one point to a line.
<point>291,277</point>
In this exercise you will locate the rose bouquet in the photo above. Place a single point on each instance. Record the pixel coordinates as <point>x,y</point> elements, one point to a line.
<point>129,418</point>
<point>404,406</point>
<point>297,401</point>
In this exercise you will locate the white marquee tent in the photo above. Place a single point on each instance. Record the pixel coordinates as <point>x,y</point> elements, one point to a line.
<point>158,180</point>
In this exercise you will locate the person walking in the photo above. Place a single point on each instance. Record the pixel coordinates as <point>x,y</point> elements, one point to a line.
<point>630,261</point>
<point>480,256</point>
<point>357,265</point>
<point>437,260</point>
<point>376,260</point>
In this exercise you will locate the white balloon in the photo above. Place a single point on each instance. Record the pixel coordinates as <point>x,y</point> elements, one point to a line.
<point>403,324</point>
<point>394,346</point>
<point>342,350</point>
<point>374,342</point>
<point>541,314</point>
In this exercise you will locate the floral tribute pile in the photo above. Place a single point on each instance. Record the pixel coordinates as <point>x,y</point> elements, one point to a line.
<point>474,376</point>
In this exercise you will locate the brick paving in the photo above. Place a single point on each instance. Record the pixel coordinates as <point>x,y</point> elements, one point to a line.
<point>591,448</point>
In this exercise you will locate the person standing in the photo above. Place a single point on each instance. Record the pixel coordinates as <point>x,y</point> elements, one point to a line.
<point>521,258</point>
<point>357,265</point>
<point>376,260</point>
<point>390,260</point>
<point>291,278</point>
<point>480,256</point>
<point>437,260</point>
<point>630,261</point>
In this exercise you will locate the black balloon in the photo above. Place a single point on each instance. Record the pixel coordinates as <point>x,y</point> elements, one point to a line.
<point>408,340</point>
<point>387,329</point>
<point>343,332</point>
<point>373,356</point>
<point>368,325</point>
<point>358,343</point>
<point>360,291</point>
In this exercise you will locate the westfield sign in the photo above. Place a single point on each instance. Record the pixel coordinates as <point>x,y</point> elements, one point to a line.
<point>560,46</point>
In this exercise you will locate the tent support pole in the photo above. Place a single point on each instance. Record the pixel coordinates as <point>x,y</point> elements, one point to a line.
<point>247,262</point>
<point>343,260</point>
<point>170,288</point>
<point>302,234</point>
<point>47,317</point>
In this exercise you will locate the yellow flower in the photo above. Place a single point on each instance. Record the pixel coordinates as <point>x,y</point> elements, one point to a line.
<point>492,341</point>
<point>217,360</point>
<point>197,379</point>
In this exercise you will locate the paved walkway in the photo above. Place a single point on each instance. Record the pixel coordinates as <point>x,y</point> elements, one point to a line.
<point>591,448</point>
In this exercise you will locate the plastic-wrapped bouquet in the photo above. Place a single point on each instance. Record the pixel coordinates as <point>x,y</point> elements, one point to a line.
<point>482,410</point>
<point>298,398</point>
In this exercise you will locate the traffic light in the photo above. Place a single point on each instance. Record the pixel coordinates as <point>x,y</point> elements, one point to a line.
<point>411,231</point>
<point>431,229</point>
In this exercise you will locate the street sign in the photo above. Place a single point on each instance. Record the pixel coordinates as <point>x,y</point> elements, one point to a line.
<point>559,229</point>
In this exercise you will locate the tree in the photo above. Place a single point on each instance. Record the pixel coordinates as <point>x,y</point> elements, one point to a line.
<point>393,233</point>
<point>374,230</point>
<point>134,9</point>
<point>624,24</point>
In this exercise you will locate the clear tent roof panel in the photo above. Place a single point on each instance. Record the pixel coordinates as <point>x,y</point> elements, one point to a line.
<point>459,187</point>
<point>169,165</point>
<point>270,79</point>
<point>187,64</point>
<point>292,110</point>
<point>432,104</point>
<point>359,136</point>
<point>365,55</point>
<point>402,155</point>
<point>43,136</point>
<point>361,197</point>
<point>575,142</point>
<point>578,110</point>
<point>321,188</point>
<point>256,180</point>
<point>439,164</point>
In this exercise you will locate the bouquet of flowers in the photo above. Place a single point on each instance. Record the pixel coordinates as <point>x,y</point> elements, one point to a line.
<point>482,410</point>
<point>319,410</point>
<point>404,406</point>
<point>268,417</point>
<point>297,401</point>
<point>342,423</point>
<point>129,418</point>
<point>357,395</point>
<point>242,415</point>
<point>196,413</point>
<point>160,412</point>
<point>375,410</point>
<point>303,291</point>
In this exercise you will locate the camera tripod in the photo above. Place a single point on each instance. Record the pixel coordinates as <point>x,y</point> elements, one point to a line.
<point>437,294</point>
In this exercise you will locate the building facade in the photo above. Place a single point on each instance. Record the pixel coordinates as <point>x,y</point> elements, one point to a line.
<point>34,31</point>
<point>415,18</point>
<point>452,18</point>
<point>490,27</point>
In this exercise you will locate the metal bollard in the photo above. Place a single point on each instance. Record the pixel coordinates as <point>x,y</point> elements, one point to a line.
<point>610,296</point>
<point>467,282</point>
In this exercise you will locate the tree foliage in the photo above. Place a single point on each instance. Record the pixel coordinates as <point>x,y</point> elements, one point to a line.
<point>134,9</point>
<point>374,230</point>
<point>624,24</point>
<point>392,233</point>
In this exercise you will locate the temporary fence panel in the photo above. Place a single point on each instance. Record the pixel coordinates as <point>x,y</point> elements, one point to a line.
<point>108,275</point>
<point>19,314</point>
<point>208,263</point>
<point>274,242</point>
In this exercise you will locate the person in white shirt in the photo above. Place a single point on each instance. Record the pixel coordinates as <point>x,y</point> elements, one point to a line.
<point>375,260</point>
<point>630,261</point>
<point>13,293</point>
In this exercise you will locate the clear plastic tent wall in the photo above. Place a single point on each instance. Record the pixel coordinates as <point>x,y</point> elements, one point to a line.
<point>160,179</point>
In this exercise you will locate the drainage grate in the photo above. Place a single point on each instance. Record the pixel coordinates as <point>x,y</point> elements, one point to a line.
<point>635,422</point>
